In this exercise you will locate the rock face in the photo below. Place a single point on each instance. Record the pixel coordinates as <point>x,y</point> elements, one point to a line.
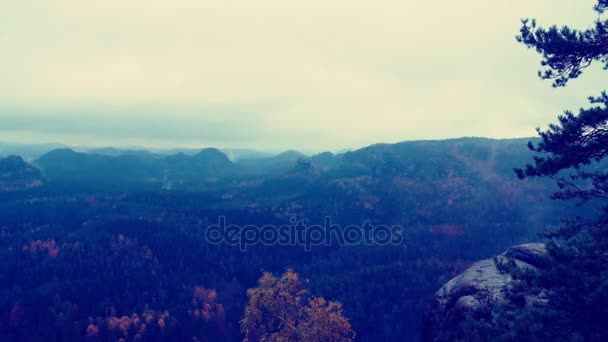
<point>472,293</point>
<point>17,175</point>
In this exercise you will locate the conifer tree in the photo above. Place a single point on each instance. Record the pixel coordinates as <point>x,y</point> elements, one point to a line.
<point>574,152</point>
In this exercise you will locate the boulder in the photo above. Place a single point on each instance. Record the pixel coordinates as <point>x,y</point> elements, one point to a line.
<point>476,290</point>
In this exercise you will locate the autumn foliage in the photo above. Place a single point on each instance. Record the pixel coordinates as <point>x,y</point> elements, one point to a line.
<point>281,310</point>
<point>205,307</point>
<point>133,327</point>
<point>42,246</point>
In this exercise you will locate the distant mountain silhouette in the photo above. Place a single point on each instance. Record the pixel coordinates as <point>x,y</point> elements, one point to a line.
<point>190,172</point>
<point>274,165</point>
<point>433,158</point>
<point>326,160</point>
<point>69,166</point>
<point>137,169</point>
<point>27,151</point>
<point>238,154</point>
<point>112,151</point>
<point>476,159</point>
<point>212,156</point>
<point>289,155</point>
<point>16,175</point>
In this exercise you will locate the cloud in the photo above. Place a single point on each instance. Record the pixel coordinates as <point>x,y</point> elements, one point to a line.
<point>267,73</point>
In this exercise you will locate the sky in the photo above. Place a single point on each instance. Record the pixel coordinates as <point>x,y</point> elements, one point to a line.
<point>277,74</point>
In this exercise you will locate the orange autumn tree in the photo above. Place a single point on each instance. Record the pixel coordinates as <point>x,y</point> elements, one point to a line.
<point>281,310</point>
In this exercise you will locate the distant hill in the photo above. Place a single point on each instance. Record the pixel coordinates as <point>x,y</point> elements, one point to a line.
<point>475,159</point>
<point>112,151</point>
<point>16,175</point>
<point>435,157</point>
<point>27,151</point>
<point>326,160</point>
<point>68,166</point>
<point>136,169</point>
<point>238,154</point>
<point>273,165</point>
<point>190,172</point>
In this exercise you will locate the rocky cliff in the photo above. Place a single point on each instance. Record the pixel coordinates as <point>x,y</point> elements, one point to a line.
<point>477,290</point>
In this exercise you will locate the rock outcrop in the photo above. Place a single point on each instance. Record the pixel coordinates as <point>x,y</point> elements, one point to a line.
<point>475,291</point>
<point>17,175</point>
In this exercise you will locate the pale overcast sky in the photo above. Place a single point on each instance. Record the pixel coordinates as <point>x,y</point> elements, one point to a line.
<point>276,74</point>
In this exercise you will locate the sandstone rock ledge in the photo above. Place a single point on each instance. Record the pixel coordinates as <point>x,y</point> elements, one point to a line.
<point>469,293</point>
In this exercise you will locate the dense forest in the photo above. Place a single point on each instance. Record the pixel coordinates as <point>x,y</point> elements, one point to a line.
<point>99,246</point>
<point>459,239</point>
